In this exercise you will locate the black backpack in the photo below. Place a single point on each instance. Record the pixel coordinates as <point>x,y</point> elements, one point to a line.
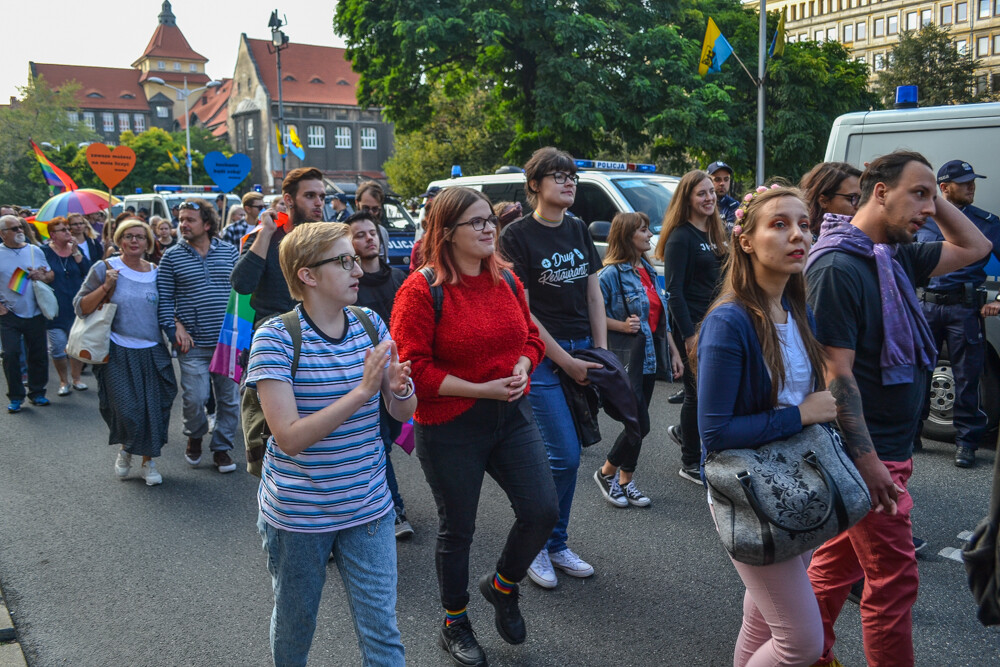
<point>437,291</point>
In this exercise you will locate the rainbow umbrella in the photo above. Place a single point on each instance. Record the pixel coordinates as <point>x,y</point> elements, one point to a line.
<point>84,200</point>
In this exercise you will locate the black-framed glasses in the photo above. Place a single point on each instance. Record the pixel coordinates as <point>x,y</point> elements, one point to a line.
<point>560,177</point>
<point>16,228</point>
<point>854,198</point>
<point>346,261</point>
<point>479,224</point>
<point>189,206</point>
<point>375,211</point>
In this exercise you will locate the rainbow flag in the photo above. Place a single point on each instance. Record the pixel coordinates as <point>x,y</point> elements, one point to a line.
<point>53,174</point>
<point>235,337</point>
<point>18,281</point>
<point>41,227</point>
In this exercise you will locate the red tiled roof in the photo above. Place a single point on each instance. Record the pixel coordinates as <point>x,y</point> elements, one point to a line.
<point>315,71</point>
<point>194,79</point>
<point>212,108</point>
<point>100,87</point>
<point>169,42</point>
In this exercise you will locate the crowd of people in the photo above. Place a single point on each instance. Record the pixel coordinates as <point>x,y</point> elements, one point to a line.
<point>788,307</point>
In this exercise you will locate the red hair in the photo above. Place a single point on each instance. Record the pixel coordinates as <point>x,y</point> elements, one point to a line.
<point>437,251</point>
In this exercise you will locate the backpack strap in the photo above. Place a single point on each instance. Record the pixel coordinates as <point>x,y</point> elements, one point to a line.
<point>291,322</point>
<point>366,322</point>
<point>437,291</point>
<point>509,277</point>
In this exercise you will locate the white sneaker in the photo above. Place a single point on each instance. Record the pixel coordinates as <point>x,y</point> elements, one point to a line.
<point>571,564</point>
<point>541,571</point>
<point>123,463</point>
<point>151,474</point>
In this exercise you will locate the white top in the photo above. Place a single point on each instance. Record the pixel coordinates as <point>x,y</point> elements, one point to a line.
<point>798,371</point>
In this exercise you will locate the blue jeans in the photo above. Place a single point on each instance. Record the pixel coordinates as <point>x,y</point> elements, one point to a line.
<point>366,558</point>
<point>555,423</point>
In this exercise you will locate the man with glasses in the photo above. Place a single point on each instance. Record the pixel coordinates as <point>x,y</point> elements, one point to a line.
<point>21,321</point>
<point>954,305</point>
<point>193,283</point>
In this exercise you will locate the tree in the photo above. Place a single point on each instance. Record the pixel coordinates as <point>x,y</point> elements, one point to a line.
<point>929,59</point>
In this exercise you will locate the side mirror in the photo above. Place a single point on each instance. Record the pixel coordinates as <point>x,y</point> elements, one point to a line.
<point>599,230</point>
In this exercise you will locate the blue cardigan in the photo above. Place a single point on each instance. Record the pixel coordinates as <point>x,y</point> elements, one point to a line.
<point>734,387</point>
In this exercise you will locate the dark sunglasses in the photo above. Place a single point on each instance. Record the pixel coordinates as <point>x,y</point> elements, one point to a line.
<point>479,224</point>
<point>15,228</point>
<point>855,198</point>
<point>346,261</point>
<point>189,206</point>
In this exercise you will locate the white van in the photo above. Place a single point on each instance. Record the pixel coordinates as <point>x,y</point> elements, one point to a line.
<point>969,132</point>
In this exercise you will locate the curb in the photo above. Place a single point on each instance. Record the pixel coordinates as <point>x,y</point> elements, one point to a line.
<point>10,651</point>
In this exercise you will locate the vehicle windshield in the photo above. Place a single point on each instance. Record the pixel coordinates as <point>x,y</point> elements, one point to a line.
<point>648,195</point>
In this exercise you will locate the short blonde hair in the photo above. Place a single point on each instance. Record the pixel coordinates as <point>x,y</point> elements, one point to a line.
<point>305,246</point>
<point>129,224</point>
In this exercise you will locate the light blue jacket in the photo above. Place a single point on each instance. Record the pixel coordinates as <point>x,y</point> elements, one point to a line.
<point>630,290</point>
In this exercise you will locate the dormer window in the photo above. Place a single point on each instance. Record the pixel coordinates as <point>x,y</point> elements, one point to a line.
<point>94,94</point>
<point>315,79</point>
<point>127,96</point>
<point>343,82</point>
<point>289,77</point>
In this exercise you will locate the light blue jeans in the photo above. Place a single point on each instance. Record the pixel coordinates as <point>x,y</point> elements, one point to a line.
<point>195,378</point>
<point>555,423</point>
<point>366,558</point>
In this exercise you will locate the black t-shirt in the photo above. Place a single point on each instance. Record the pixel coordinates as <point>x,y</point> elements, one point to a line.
<point>691,271</point>
<point>844,295</point>
<point>553,264</point>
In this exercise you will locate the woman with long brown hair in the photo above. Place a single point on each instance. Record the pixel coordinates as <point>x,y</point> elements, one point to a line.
<point>831,187</point>
<point>760,379</point>
<point>463,322</point>
<point>692,246</point>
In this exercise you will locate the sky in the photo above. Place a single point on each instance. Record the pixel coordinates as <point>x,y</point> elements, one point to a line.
<point>114,33</point>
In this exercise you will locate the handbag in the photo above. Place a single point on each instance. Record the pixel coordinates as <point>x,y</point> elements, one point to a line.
<point>629,348</point>
<point>89,338</point>
<point>45,296</point>
<point>982,558</point>
<point>784,498</point>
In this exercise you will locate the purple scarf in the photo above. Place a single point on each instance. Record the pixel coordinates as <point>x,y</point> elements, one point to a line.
<point>907,341</point>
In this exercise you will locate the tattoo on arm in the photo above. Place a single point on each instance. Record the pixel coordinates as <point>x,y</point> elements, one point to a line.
<point>850,416</point>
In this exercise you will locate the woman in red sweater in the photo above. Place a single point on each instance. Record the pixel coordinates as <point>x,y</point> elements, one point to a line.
<point>471,364</point>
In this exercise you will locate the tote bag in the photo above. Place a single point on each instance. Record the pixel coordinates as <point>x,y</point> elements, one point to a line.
<point>90,336</point>
<point>45,296</point>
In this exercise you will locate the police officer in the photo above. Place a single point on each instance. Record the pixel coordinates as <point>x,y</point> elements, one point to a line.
<point>722,178</point>
<point>954,305</point>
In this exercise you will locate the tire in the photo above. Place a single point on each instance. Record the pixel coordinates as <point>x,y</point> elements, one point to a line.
<point>939,425</point>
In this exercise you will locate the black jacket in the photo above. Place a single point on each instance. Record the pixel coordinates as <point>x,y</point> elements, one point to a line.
<point>378,290</point>
<point>609,388</point>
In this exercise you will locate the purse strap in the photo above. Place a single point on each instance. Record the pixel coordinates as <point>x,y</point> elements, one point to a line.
<point>107,294</point>
<point>835,499</point>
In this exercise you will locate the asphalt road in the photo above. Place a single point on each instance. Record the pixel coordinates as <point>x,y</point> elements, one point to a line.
<point>102,572</point>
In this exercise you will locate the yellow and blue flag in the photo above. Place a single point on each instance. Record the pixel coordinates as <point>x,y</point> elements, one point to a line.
<point>177,165</point>
<point>714,50</point>
<point>281,141</point>
<point>295,144</point>
<point>778,43</point>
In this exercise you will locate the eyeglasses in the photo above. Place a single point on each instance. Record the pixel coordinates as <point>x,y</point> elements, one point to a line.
<point>346,261</point>
<point>854,198</point>
<point>256,206</point>
<point>189,206</point>
<point>58,229</point>
<point>479,224</point>
<point>134,237</point>
<point>375,211</point>
<point>15,228</point>
<point>560,177</point>
<point>77,224</point>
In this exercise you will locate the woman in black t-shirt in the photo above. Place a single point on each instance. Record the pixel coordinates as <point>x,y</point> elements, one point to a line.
<point>692,246</point>
<point>554,257</point>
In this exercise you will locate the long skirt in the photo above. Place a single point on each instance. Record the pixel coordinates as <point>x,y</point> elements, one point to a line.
<point>136,389</point>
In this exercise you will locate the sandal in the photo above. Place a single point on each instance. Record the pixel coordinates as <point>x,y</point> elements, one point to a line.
<point>64,390</point>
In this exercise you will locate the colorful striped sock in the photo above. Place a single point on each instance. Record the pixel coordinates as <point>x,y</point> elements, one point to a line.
<point>453,616</point>
<point>502,585</point>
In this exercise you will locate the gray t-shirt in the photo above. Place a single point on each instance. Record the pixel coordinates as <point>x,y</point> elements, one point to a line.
<point>135,324</point>
<point>12,259</point>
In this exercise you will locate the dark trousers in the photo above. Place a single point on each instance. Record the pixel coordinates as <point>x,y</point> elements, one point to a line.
<point>390,430</point>
<point>500,439</point>
<point>31,330</point>
<point>960,326</point>
<point>691,449</point>
<point>622,454</point>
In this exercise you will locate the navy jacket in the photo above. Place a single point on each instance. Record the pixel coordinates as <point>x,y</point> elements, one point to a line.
<point>974,273</point>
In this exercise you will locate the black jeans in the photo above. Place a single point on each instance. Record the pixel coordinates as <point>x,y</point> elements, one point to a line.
<point>500,439</point>
<point>623,455</point>
<point>691,449</point>
<point>31,330</point>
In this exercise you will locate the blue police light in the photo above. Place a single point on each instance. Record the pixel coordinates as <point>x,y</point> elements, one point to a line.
<point>257,187</point>
<point>906,97</point>
<point>456,170</point>
<point>138,191</point>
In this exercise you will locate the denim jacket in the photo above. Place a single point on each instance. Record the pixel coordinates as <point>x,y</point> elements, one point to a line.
<point>632,291</point>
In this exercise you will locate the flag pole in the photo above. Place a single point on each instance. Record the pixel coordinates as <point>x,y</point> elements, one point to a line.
<point>752,79</point>
<point>761,69</point>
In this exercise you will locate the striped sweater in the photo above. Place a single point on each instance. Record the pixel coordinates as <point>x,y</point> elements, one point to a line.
<point>195,290</point>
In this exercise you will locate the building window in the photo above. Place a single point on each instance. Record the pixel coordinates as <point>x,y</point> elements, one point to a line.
<point>984,9</point>
<point>73,116</point>
<point>177,67</point>
<point>109,121</point>
<point>804,37</point>
<point>878,28</point>
<point>343,136</point>
<point>962,46</point>
<point>192,67</point>
<point>317,136</point>
<point>911,21</point>
<point>818,36</point>
<point>996,51</point>
<point>849,32</point>
<point>879,62</point>
<point>88,120</point>
<point>982,47</point>
<point>893,25</point>
<point>981,88</point>
<point>250,134</point>
<point>160,65</point>
<point>139,122</point>
<point>123,122</point>
<point>369,140</point>
<point>794,11</point>
<point>162,112</point>
<point>946,16</point>
<point>961,12</point>
<point>926,17</point>
<point>860,31</point>
<point>831,34</point>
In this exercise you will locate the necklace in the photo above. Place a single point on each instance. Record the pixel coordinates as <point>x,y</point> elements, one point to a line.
<point>542,218</point>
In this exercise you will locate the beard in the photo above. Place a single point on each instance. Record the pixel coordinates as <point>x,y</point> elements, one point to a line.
<point>301,215</point>
<point>20,238</point>
<point>369,255</point>
<point>898,234</point>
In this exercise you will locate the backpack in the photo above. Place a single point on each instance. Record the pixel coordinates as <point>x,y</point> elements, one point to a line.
<point>255,430</point>
<point>437,291</point>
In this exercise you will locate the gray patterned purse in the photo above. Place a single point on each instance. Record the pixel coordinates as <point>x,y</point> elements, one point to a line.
<point>784,498</point>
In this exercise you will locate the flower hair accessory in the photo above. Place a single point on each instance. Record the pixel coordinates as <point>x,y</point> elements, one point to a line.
<point>742,210</point>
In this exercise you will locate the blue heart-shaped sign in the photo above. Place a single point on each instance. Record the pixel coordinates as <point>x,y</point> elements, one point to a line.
<point>227,172</point>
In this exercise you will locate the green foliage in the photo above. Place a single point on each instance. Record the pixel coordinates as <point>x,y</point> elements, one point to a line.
<point>929,59</point>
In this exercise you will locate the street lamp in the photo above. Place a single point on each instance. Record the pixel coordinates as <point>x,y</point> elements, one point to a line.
<point>183,94</point>
<point>279,41</point>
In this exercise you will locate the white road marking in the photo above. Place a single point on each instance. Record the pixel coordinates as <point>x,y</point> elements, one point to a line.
<point>965,535</point>
<point>952,553</point>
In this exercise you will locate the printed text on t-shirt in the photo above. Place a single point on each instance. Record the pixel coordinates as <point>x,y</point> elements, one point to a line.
<point>563,268</point>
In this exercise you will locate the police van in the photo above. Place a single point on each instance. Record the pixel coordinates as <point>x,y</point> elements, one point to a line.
<point>165,197</point>
<point>969,132</point>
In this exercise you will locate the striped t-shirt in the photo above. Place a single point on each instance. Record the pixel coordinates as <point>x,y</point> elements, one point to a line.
<point>338,482</point>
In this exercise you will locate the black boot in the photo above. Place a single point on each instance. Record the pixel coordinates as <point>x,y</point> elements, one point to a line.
<point>509,622</point>
<point>460,642</point>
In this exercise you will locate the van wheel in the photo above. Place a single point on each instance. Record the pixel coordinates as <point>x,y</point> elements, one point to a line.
<point>939,424</point>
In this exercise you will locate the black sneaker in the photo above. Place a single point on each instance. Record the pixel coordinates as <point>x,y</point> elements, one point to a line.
<point>691,474</point>
<point>918,544</point>
<point>856,589</point>
<point>508,619</point>
<point>676,399</point>
<point>459,641</point>
<point>965,457</point>
<point>610,488</point>
<point>674,431</point>
<point>404,530</point>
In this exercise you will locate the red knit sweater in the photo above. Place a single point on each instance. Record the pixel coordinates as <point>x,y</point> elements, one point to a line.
<point>483,331</point>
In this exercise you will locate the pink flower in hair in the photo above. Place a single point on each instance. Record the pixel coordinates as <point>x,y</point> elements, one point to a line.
<point>737,230</point>
<point>748,197</point>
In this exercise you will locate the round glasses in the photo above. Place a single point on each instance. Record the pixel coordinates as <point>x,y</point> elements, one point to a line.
<point>347,262</point>
<point>479,224</point>
<point>854,198</point>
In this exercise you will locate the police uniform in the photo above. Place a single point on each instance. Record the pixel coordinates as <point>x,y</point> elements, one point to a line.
<point>727,205</point>
<point>952,304</point>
